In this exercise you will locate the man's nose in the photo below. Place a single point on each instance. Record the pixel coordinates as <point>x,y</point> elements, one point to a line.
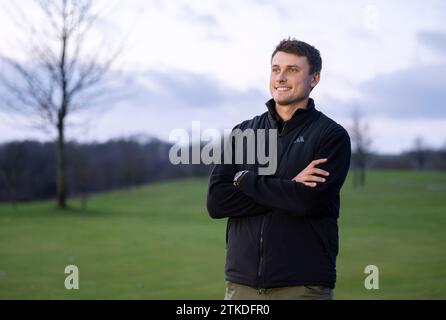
<point>281,77</point>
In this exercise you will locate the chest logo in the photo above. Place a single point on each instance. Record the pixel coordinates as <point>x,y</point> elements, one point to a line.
<point>299,139</point>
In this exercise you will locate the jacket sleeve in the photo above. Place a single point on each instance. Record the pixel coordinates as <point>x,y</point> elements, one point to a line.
<point>224,199</point>
<point>296,198</point>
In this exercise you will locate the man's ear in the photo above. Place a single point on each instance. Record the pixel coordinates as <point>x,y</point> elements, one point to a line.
<point>315,79</point>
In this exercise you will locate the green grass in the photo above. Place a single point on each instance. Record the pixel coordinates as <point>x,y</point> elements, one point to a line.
<point>157,242</point>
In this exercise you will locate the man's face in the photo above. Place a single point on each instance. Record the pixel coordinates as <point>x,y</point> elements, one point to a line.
<point>290,81</point>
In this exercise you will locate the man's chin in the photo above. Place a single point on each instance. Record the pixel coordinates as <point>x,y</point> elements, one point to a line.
<point>288,102</point>
<point>285,102</point>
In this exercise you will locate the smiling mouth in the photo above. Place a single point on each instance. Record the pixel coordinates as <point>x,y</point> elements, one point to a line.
<point>282,89</point>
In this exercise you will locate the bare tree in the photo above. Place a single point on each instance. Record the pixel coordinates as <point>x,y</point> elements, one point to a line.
<point>361,143</point>
<point>61,75</point>
<point>420,153</point>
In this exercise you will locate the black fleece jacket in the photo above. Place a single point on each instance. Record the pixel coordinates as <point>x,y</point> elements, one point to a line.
<point>281,232</point>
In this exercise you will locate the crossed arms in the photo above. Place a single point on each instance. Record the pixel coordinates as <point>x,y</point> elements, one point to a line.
<point>304,195</point>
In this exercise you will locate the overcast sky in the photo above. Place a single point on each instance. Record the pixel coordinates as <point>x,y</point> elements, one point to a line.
<point>209,61</point>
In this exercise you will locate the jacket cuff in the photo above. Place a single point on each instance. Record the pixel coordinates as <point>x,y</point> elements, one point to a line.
<point>247,181</point>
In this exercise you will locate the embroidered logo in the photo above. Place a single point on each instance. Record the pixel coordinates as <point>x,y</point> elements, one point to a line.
<point>299,139</point>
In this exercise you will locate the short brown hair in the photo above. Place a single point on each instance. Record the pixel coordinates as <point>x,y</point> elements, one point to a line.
<point>301,49</point>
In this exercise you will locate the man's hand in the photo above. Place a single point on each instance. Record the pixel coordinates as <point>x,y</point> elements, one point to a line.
<point>308,176</point>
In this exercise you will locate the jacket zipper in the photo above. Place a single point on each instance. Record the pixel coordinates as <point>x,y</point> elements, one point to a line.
<point>260,269</point>
<point>262,247</point>
<point>283,129</point>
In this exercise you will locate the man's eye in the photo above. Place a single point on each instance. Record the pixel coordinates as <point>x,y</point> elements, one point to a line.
<point>275,70</point>
<point>294,70</point>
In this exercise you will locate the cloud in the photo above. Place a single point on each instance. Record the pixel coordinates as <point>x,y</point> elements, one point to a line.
<point>435,40</point>
<point>281,9</point>
<point>155,102</point>
<point>181,89</point>
<point>207,20</point>
<point>160,101</point>
<point>209,62</point>
<point>416,92</point>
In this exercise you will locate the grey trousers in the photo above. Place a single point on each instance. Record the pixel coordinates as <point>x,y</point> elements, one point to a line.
<point>235,291</point>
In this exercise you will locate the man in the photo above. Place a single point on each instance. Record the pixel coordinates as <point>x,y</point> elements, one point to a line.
<point>282,232</point>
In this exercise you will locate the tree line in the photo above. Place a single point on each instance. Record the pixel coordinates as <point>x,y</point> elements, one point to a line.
<point>27,167</point>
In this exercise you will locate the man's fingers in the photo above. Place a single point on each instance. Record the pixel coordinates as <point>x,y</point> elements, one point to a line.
<point>309,177</point>
<point>310,184</point>
<point>314,178</point>
<point>317,162</point>
<point>319,171</point>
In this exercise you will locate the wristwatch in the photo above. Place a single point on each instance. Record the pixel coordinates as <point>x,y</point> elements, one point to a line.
<point>239,176</point>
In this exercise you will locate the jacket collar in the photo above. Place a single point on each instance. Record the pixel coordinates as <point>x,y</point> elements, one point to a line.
<point>300,116</point>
